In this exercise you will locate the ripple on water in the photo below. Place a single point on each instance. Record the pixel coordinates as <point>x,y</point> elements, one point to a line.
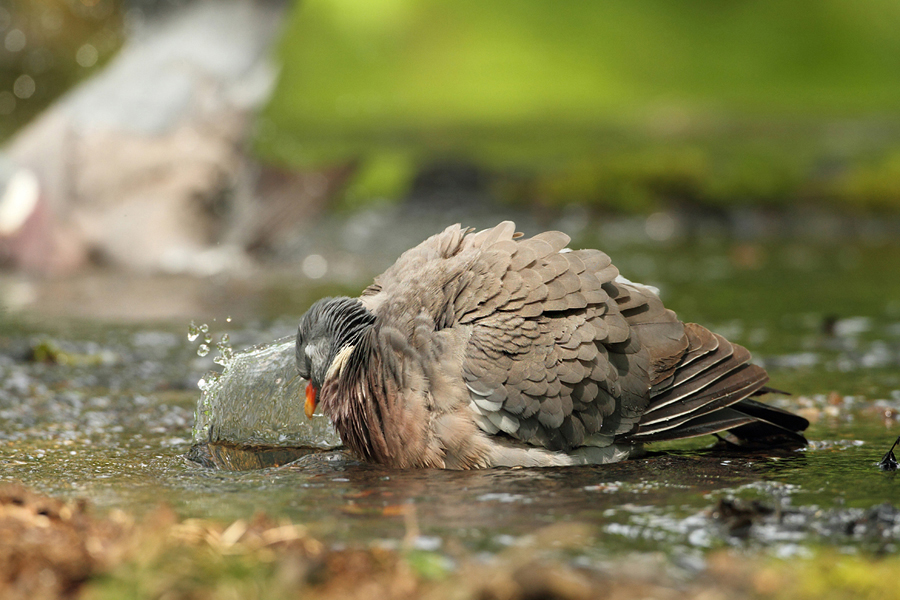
<point>115,430</point>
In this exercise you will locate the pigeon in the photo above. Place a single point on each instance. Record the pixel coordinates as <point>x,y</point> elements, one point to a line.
<point>486,349</point>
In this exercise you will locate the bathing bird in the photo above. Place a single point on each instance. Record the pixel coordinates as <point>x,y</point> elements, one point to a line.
<point>488,349</point>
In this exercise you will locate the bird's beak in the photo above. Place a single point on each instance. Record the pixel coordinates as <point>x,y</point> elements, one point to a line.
<point>310,405</point>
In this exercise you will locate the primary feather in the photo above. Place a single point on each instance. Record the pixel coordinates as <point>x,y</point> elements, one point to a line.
<point>485,349</point>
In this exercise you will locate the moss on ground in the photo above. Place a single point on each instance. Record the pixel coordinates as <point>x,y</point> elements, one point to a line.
<point>829,575</point>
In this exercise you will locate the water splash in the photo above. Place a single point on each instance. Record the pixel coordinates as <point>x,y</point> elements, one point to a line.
<point>226,352</point>
<point>194,331</point>
<point>257,400</point>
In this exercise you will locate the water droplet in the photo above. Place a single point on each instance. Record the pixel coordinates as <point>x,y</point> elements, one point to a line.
<point>193,332</point>
<point>203,350</point>
<point>228,319</point>
<point>226,352</point>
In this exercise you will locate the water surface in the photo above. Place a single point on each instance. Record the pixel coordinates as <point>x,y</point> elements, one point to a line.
<point>104,411</point>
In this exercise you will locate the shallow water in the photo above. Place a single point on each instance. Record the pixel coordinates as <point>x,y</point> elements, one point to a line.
<point>103,411</point>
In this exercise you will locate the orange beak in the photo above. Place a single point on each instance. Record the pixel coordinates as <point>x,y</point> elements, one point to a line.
<point>310,405</point>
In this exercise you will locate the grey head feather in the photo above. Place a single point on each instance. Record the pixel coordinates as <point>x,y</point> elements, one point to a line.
<point>328,326</point>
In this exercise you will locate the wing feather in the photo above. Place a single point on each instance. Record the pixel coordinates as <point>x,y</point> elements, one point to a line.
<point>559,350</point>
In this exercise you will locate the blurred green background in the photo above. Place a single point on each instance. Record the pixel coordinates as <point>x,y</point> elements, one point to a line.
<point>626,105</point>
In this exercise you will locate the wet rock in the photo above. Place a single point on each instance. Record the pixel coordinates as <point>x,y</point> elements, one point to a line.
<point>882,521</point>
<point>50,352</point>
<point>238,457</point>
<point>756,520</point>
<point>737,516</point>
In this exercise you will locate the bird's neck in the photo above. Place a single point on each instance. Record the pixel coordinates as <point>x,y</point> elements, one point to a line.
<point>360,402</point>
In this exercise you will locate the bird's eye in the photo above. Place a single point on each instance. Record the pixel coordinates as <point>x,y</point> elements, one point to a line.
<point>302,358</point>
<point>303,367</point>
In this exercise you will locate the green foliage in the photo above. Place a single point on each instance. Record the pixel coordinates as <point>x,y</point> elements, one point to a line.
<point>48,351</point>
<point>874,184</point>
<point>189,572</point>
<point>428,565</point>
<point>383,175</point>
<point>621,105</point>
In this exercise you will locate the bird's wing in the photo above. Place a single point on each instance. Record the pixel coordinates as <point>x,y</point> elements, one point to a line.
<point>552,359</point>
<point>708,391</point>
<point>556,349</point>
<point>443,245</point>
<point>700,382</point>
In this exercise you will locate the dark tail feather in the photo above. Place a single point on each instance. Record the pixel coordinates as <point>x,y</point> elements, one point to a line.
<point>709,391</point>
<point>713,422</point>
<point>749,421</point>
<point>769,424</point>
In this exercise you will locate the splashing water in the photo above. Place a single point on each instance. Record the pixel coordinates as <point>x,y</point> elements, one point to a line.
<point>226,352</point>
<point>257,400</point>
<point>194,332</point>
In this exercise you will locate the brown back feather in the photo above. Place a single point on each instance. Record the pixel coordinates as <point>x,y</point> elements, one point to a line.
<point>545,346</point>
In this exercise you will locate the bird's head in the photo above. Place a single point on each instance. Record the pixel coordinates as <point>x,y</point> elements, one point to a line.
<point>326,338</point>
